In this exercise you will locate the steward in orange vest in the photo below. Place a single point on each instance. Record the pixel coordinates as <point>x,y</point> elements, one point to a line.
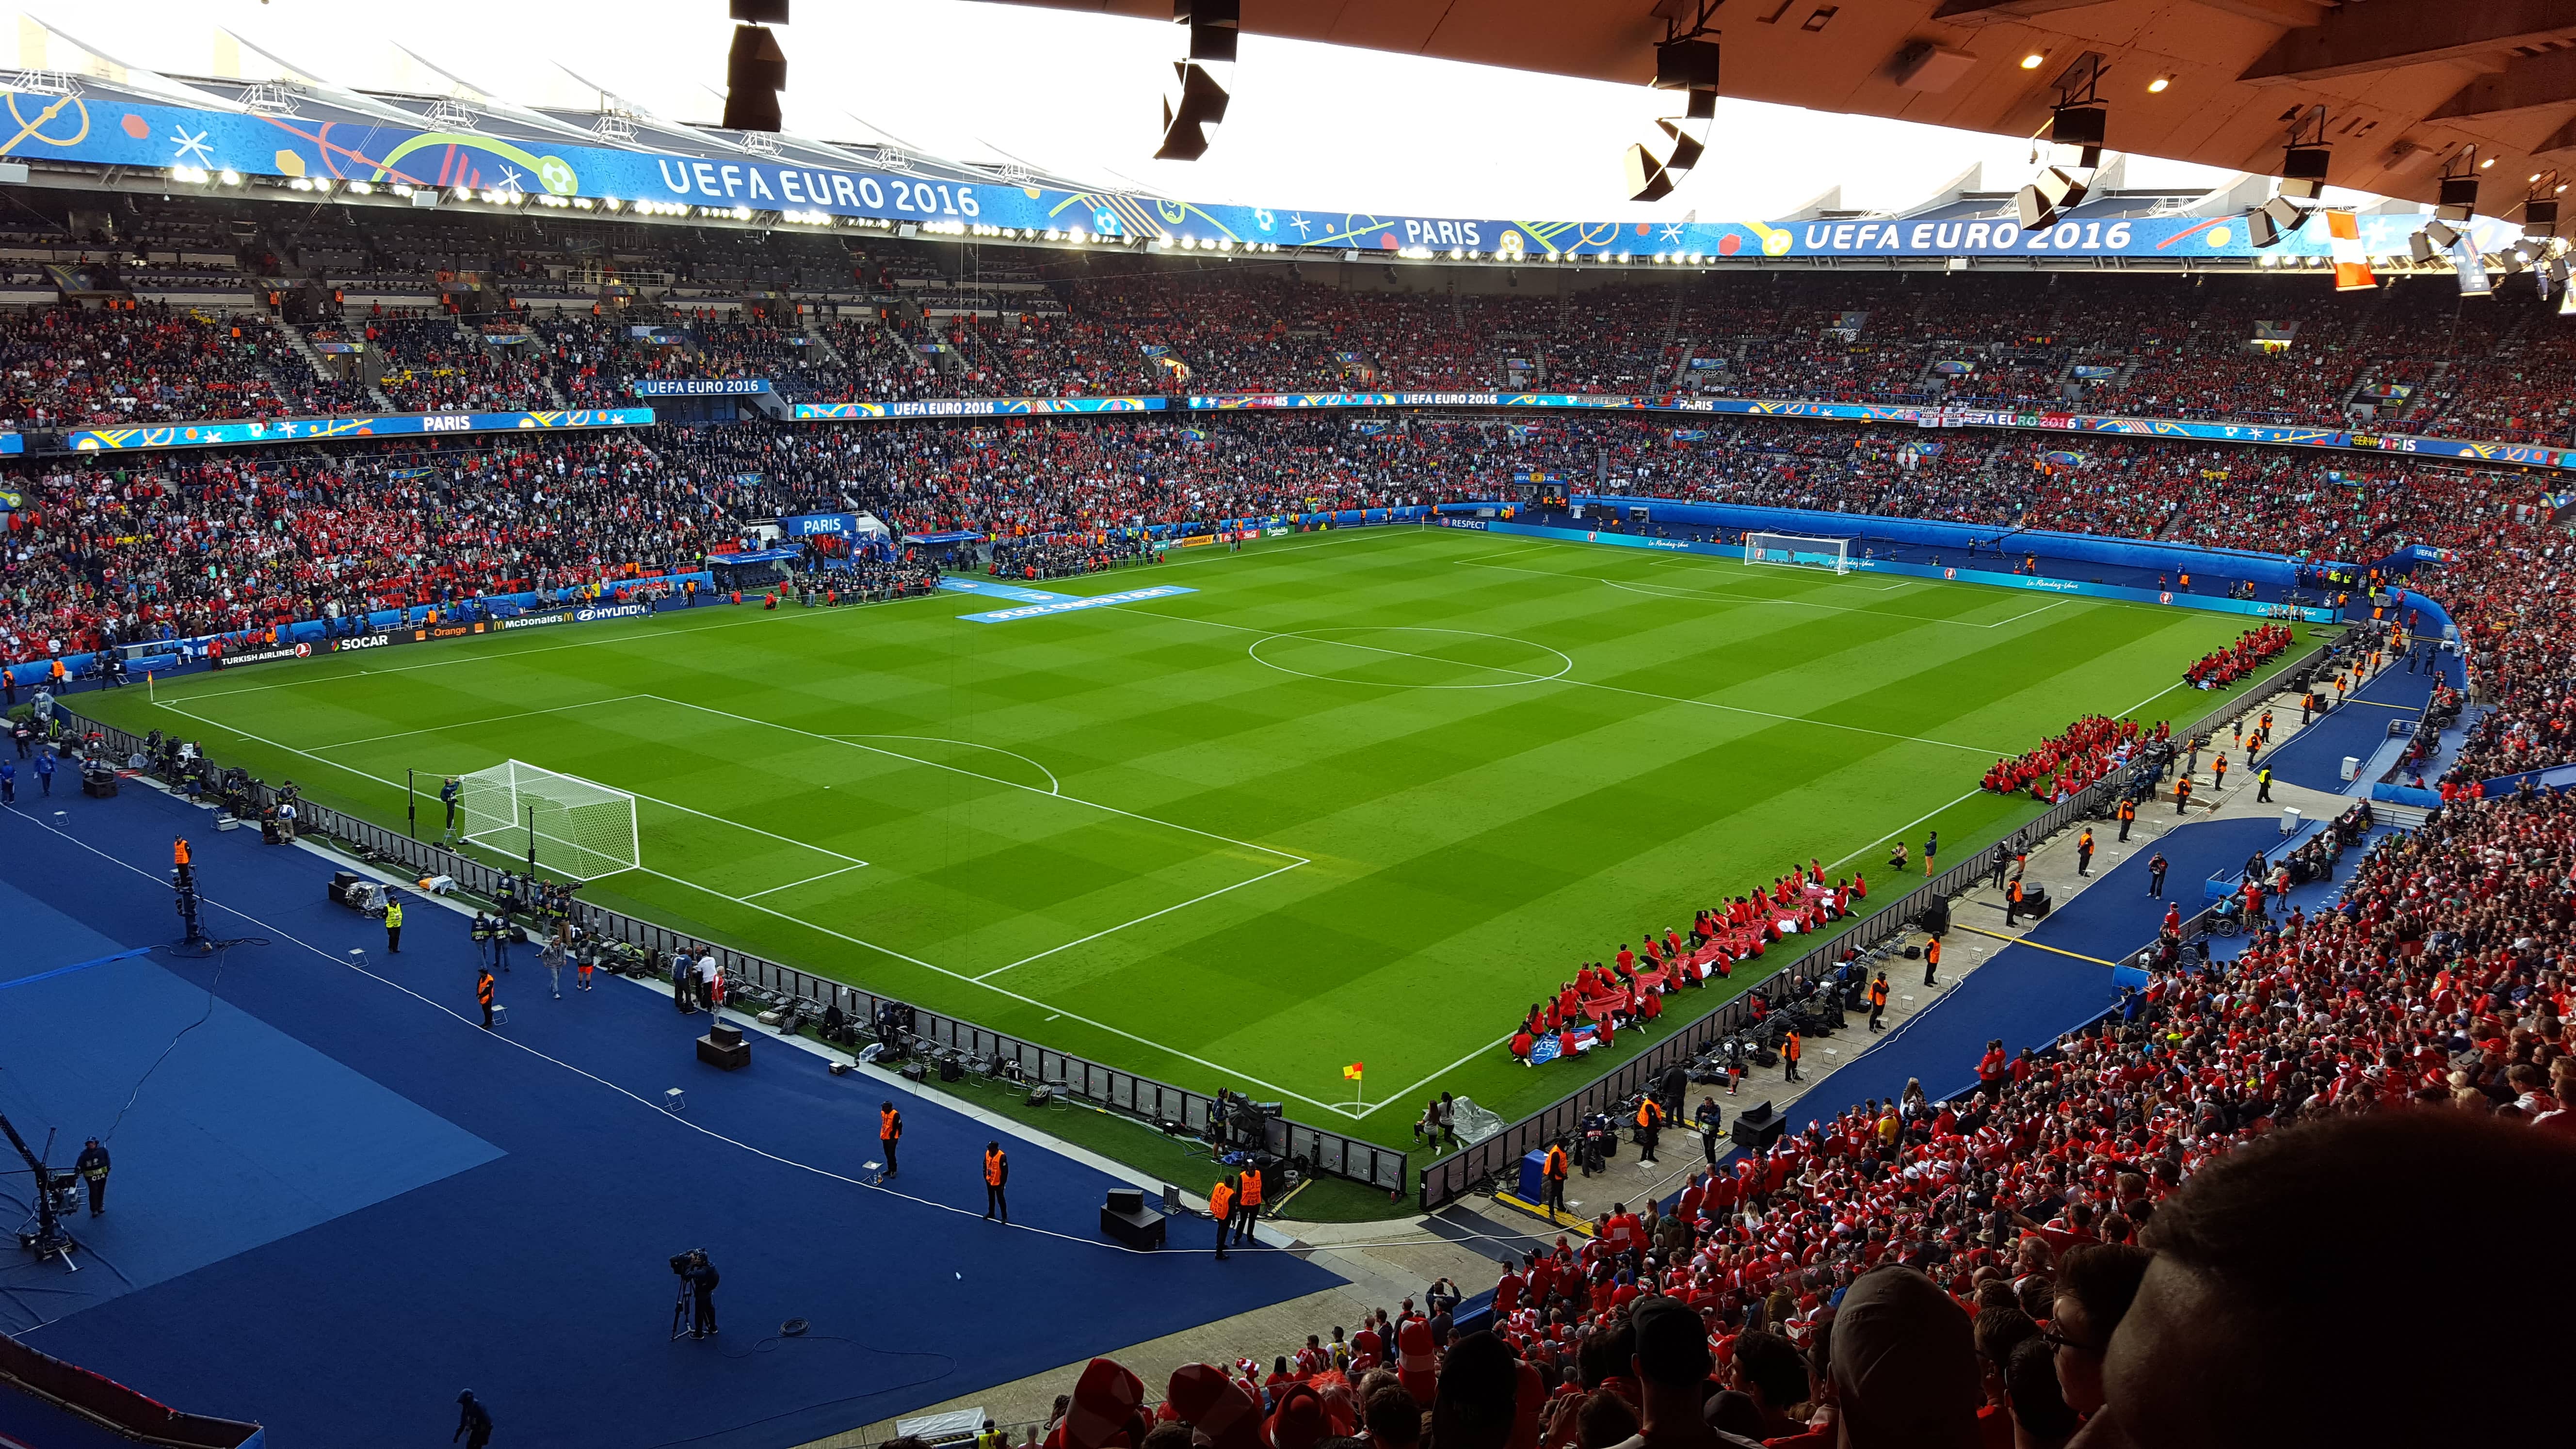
<point>997,1175</point>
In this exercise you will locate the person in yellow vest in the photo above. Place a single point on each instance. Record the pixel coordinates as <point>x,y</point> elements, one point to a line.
<point>1790,1050</point>
<point>889,1132</point>
<point>1650,1127</point>
<point>1555,1170</point>
<point>1247,1204</point>
<point>2264,781</point>
<point>1221,1208</point>
<point>991,1437</point>
<point>1877,1001</point>
<point>997,1175</point>
<point>393,927</point>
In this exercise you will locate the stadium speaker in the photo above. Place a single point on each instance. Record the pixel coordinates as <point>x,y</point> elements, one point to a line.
<point>1757,1129</point>
<point>1935,918</point>
<point>755,72</point>
<point>2459,197</point>
<point>2540,216</point>
<point>1126,1199</point>
<point>759,12</point>
<point>2303,172</point>
<point>950,1069</point>
<point>1201,104</point>
<point>2267,224</point>
<point>2040,203</point>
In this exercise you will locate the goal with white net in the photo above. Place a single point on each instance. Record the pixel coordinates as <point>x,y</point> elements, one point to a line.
<point>579,827</point>
<point>1800,550</point>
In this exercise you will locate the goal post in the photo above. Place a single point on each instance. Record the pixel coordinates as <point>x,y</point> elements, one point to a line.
<point>561,822</point>
<point>1799,550</point>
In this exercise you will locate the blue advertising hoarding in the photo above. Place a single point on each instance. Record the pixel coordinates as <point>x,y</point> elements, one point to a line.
<point>108,130</point>
<point>310,430</point>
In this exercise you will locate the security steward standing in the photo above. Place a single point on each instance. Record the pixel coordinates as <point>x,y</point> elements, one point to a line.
<point>2128,814</point>
<point>92,1166</point>
<point>393,926</point>
<point>1790,1051</point>
<point>485,928</point>
<point>2263,778</point>
<point>997,1175</point>
<point>1557,1163</point>
<point>1932,958</point>
<point>1247,1204</point>
<point>483,993</point>
<point>1877,1001</point>
<point>1221,1208</point>
<point>889,1132</point>
<point>1650,1127</point>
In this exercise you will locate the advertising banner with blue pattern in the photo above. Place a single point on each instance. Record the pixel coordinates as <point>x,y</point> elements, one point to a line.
<point>109,131</point>
<point>311,430</point>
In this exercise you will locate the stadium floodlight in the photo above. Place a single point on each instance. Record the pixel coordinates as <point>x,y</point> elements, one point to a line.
<point>1799,550</point>
<point>580,827</point>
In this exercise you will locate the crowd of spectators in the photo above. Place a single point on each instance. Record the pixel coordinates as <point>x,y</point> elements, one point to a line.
<point>2177,1227</point>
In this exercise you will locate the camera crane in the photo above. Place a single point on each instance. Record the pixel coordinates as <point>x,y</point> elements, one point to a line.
<point>44,1234</point>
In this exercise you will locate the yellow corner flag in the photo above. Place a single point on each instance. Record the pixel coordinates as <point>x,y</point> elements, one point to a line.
<point>1351,1073</point>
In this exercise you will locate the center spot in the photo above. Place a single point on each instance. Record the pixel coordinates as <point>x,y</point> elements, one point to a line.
<point>1411,657</point>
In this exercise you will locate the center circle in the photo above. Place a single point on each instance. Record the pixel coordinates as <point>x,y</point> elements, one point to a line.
<point>1411,657</point>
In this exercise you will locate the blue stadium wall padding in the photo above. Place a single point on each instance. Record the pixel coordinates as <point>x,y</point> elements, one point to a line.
<point>2263,568</point>
<point>2079,588</point>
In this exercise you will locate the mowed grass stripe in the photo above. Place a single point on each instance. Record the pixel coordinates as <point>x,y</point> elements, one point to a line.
<point>1467,845</point>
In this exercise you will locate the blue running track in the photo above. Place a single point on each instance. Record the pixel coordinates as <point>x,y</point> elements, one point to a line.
<point>337,1200</point>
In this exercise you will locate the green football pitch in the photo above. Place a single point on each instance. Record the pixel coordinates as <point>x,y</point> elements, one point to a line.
<point>1359,798</point>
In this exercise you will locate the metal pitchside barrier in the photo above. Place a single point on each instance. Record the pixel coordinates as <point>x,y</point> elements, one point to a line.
<point>1449,1178</point>
<point>1155,1102</point>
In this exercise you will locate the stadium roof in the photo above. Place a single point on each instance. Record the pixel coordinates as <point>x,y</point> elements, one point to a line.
<point>2406,83</point>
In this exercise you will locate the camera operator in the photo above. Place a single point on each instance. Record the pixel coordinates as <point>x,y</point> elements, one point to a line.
<point>701,1278</point>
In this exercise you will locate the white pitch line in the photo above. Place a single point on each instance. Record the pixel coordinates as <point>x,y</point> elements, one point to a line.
<point>397,785</point>
<point>1559,679</point>
<point>1054,786</point>
<point>975,774</point>
<point>1031,1001</point>
<point>469,724</point>
<point>760,617</point>
<point>1140,920</point>
<point>809,880</point>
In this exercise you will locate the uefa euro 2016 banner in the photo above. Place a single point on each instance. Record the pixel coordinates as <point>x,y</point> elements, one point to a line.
<point>305,430</point>
<point>108,131</point>
<point>698,387</point>
<point>976,407</point>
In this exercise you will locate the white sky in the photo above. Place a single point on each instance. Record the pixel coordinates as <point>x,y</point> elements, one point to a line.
<point>1312,126</point>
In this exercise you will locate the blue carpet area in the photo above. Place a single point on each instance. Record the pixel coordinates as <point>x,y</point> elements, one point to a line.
<point>2024,995</point>
<point>516,1245</point>
<point>2314,757</point>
